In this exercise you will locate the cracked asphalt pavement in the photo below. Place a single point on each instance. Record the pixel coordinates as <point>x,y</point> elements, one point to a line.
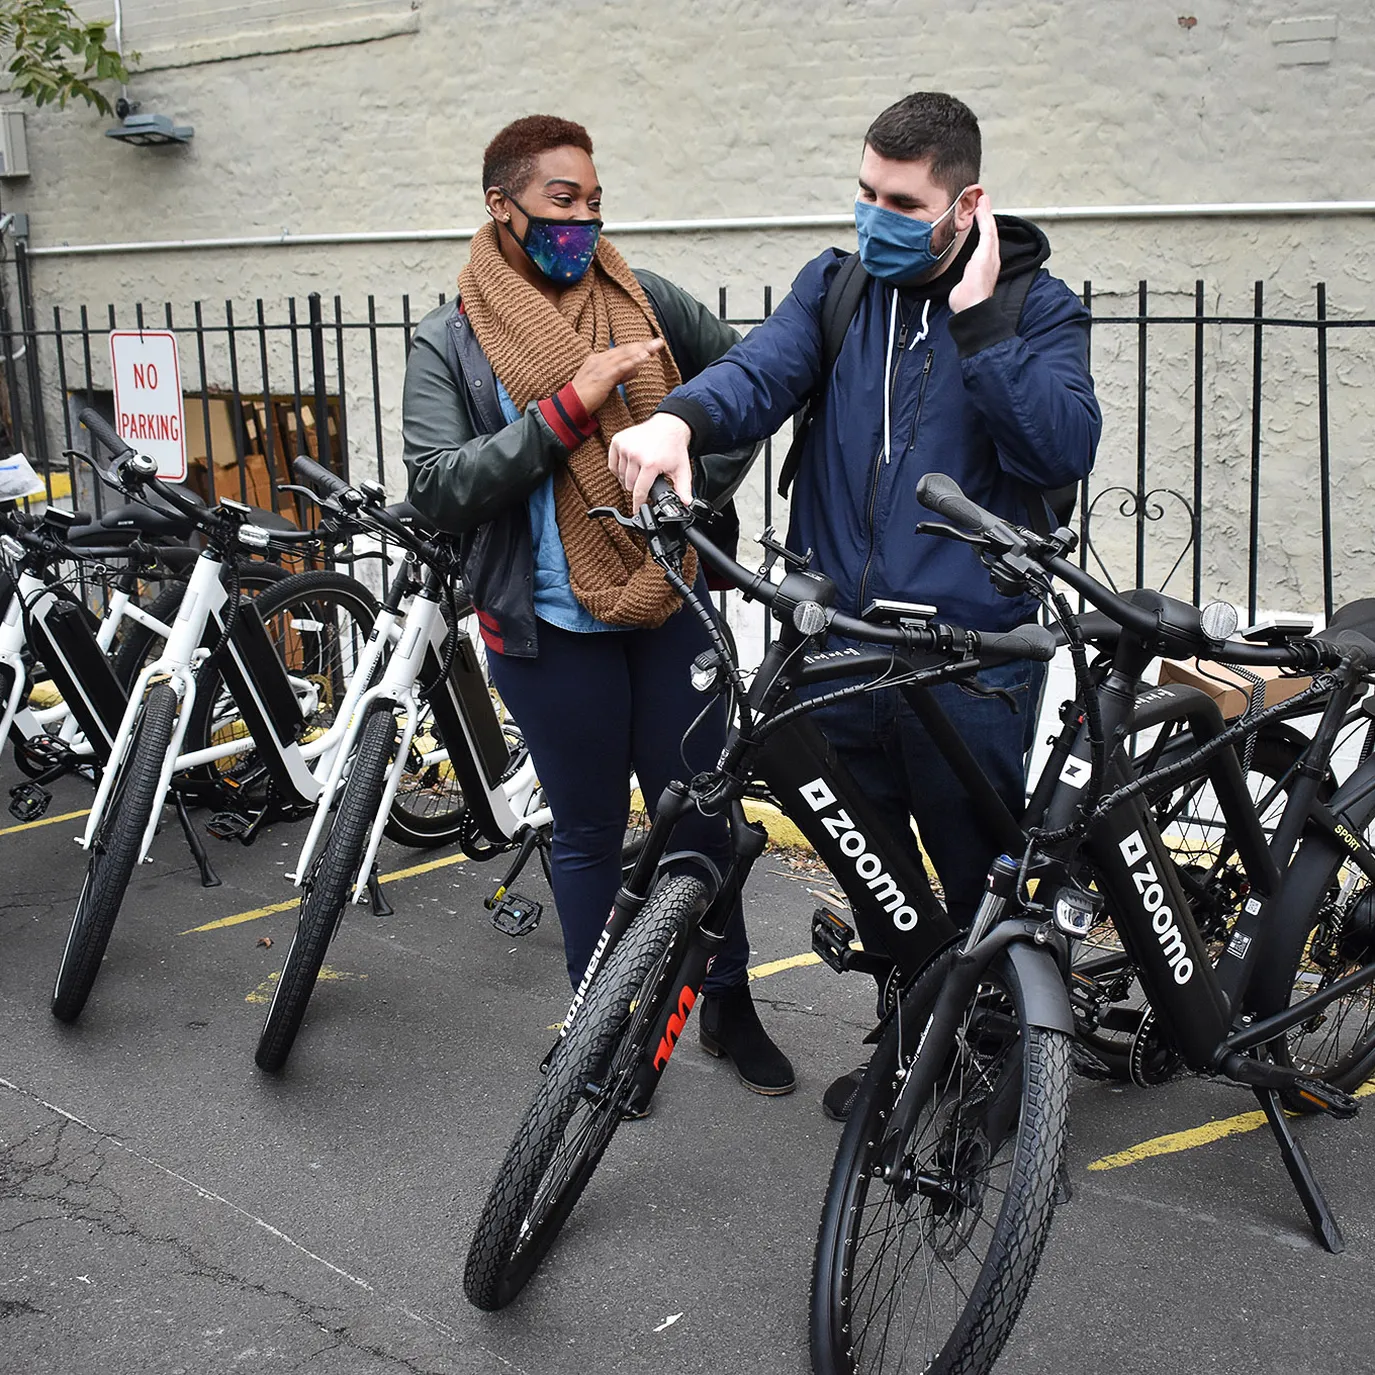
<point>165,1207</point>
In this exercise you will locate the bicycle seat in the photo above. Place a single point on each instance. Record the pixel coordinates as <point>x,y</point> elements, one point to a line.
<point>270,520</point>
<point>129,522</point>
<point>412,519</point>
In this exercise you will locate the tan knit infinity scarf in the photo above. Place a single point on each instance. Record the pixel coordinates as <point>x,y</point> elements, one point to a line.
<point>535,347</point>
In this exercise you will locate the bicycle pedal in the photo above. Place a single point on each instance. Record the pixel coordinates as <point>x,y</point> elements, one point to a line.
<point>1329,1098</point>
<point>229,825</point>
<point>29,801</point>
<point>514,915</point>
<point>831,939</point>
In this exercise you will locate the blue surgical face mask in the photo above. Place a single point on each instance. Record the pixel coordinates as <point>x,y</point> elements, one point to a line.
<point>897,248</point>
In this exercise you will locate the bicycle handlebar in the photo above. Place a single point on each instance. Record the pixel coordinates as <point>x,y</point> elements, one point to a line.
<point>356,501</point>
<point>316,475</point>
<point>92,419</point>
<point>1173,627</point>
<point>1023,642</point>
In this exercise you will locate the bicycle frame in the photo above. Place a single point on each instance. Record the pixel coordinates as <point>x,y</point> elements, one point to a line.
<point>76,659</point>
<point>259,685</point>
<point>464,722</point>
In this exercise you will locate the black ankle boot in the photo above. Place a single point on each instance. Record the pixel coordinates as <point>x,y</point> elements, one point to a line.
<point>730,1027</point>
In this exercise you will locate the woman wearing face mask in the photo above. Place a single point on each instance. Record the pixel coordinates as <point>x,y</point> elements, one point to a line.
<point>512,394</point>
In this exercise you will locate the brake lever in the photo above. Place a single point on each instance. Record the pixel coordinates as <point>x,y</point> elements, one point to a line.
<point>932,527</point>
<point>642,520</point>
<point>101,474</point>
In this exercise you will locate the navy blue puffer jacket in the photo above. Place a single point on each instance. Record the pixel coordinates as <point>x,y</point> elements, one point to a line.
<point>1004,407</point>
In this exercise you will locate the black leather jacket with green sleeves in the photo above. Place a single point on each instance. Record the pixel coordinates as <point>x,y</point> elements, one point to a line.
<point>472,472</point>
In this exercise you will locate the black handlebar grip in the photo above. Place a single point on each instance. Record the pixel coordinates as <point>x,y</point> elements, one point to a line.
<point>104,432</point>
<point>1022,642</point>
<point>312,473</point>
<point>942,494</point>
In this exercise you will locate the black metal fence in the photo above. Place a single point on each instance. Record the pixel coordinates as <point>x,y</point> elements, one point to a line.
<point>1195,482</point>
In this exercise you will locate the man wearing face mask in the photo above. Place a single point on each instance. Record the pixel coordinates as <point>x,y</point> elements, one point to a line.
<point>512,393</point>
<point>963,356</point>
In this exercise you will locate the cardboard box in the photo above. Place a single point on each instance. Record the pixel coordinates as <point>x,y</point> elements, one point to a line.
<point>1227,687</point>
<point>221,438</point>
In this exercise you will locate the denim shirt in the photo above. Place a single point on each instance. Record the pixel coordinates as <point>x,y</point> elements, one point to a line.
<point>554,599</point>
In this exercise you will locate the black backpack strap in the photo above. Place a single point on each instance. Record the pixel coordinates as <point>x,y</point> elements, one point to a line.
<point>1046,507</point>
<point>838,308</point>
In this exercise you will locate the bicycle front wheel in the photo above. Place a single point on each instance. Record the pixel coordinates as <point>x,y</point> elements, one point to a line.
<point>114,852</point>
<point>329,885</point>
<point>928,1272</point>
<point>582,1100</point>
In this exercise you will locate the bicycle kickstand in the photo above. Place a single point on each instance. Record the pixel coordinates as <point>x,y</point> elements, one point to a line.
<point>209,878</point>
<point>1301,1173</point>
<point>380,906</point>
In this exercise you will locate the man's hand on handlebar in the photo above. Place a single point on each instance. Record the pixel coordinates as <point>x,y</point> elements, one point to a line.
<point>658,447</point>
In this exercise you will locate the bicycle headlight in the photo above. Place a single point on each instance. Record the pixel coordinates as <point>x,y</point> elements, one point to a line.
<point>254,537</point>
<point>1076,910</point>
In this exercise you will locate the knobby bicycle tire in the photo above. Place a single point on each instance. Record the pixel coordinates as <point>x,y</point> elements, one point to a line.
<point>329,886</point>
<point>963,1134</point>
<point>1324,930</point>
<point>114,853</point>
<point>539,1183</point>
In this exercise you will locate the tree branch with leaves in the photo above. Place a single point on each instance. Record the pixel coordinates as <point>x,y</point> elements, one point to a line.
<point>54,56</point>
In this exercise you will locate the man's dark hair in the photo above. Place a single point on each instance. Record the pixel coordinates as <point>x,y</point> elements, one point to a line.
<point>929,125</point>
<point>509,159</point>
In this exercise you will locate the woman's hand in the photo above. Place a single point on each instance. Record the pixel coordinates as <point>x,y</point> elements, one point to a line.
<point>602,373</point>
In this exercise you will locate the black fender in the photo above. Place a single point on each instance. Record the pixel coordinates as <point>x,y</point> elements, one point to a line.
<point>1043,987</point>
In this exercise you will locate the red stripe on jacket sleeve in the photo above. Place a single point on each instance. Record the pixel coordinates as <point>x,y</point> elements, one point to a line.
<point>567,417</point>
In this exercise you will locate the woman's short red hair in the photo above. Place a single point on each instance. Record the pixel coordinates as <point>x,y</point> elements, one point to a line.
<point>509,159</point>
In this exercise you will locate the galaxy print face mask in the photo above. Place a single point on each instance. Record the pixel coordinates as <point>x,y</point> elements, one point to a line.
<point>562,249</point>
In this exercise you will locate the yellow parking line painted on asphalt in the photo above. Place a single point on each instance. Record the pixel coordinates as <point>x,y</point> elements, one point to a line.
<point>45,821</point>
<point>263,992</point>
<point>762,971</point>
<point>1173,1142</point>
<point>240,917</point>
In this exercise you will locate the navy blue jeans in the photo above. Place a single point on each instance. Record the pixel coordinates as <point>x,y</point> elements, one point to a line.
<point>897,764</point>
<point>593,708</point>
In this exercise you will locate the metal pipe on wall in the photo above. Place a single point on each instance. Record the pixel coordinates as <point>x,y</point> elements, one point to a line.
<point>1046,214</point>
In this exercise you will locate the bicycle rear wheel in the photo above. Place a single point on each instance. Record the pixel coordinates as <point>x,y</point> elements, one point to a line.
<point>1324,930</point>
<point>582,1100</point>
<point>1110,1006</point>
<point>329,885</point>
<point>318,622</point>
<point>140,644</point>
<point>114,852</point>
<point>929,1272</point>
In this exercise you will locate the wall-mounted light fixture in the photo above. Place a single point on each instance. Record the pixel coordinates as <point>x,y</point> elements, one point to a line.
<point>143,131</point>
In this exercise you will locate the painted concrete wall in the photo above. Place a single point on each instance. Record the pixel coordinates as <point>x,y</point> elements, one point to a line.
<point>757,107</point>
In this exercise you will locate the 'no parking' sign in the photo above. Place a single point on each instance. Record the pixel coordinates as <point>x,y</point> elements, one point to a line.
<point>148,409</point>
